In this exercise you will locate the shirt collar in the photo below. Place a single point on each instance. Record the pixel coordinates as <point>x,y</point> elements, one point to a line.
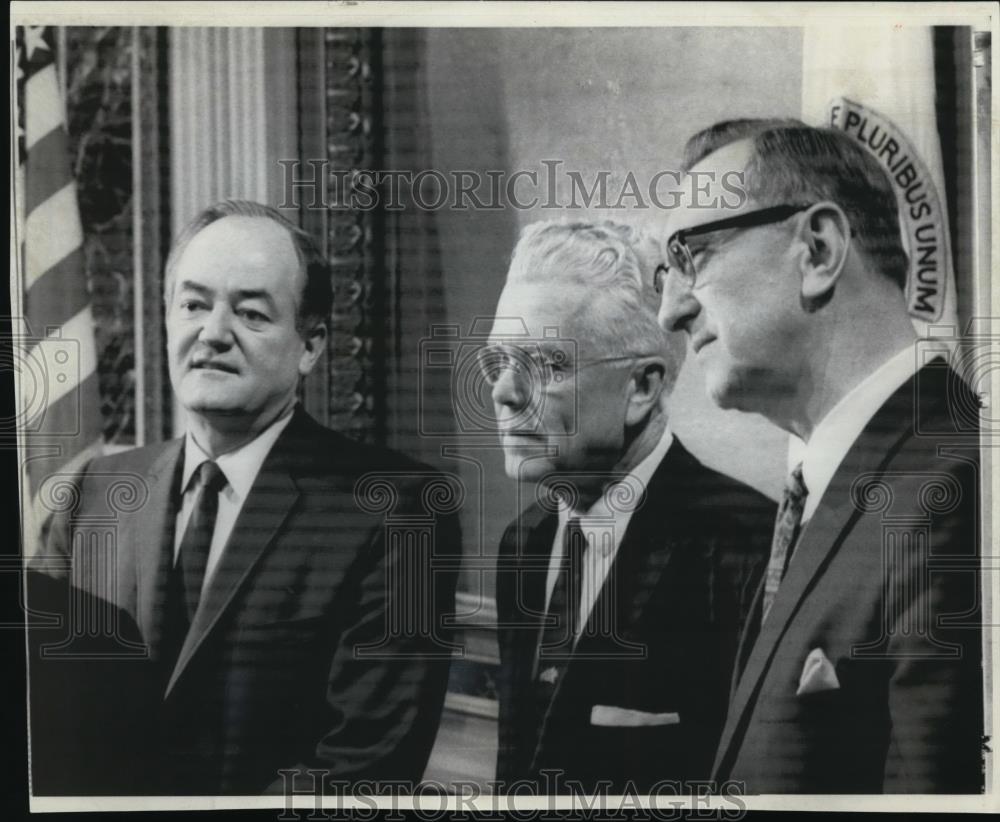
<point>637,480</point>
<point>241,465</point>
<point>838,430</point>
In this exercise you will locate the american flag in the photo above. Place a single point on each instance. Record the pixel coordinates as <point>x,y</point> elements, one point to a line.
<point>58,395</point>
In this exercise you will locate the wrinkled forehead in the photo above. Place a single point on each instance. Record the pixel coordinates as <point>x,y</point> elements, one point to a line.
<point>249,253</point>
<point>713,189</point>
<point>255,239</point>
<point>546,310</point>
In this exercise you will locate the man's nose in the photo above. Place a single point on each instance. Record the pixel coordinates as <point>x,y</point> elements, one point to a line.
<point>678,304</point>
<point>217,328</point>
<point>509,389</point>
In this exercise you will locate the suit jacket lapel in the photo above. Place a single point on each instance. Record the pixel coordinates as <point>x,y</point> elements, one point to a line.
<point>534,538</point>
<point>271,498</point>
<point>658,529</point>
<point>748,637</point>
<point>151,531</point>
<point>654,532</point>
<point>817,544</point>
<point>530,582</point>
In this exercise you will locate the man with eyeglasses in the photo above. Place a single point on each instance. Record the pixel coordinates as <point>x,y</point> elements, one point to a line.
<point>859,670</point>
<point>621,589</point>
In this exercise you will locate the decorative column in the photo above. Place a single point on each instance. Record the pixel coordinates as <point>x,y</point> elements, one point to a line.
<point>340,87</point>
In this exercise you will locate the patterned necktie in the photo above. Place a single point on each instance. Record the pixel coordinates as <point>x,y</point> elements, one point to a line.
<point>564,607</point>
<point>198,534</point>
<point>786,531</point>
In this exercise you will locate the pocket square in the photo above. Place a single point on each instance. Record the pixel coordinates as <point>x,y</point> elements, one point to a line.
<point>610,716</point>
<point>818,674</point>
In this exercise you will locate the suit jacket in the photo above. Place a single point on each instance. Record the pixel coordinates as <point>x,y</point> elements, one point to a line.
<point>883,583</point>
<point>678,589</point>
<point>299,654</point>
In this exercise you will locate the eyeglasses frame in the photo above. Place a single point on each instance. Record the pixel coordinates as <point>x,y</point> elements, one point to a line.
<point>577,366</point>
<point>749,219</point>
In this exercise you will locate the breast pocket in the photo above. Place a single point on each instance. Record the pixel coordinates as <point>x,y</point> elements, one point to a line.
<point>613,716</point>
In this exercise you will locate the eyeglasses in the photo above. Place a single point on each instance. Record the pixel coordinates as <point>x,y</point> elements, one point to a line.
<point>531,363</point>
<point>679,256</point>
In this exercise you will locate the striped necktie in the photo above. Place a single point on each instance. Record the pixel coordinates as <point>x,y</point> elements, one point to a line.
<point>786,531</point>
<point>198,533</point>
<point>188,573</point>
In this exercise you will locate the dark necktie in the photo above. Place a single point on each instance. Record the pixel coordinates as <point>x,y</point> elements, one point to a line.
<point>563,612</point>
<point>786,531</point>
<point>198,535</point>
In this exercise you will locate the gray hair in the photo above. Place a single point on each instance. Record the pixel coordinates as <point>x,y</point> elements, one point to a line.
<point>795,163</point>
<point>615,263</point>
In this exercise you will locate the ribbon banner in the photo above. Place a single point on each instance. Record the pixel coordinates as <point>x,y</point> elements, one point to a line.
<point>922,220</point>
<point>877,84</point>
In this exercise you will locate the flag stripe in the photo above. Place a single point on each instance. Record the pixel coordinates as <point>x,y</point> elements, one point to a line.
<point>63,359</point>
<point>44,111</point>
<point>57,296</point>
<point>20,183</point>
<point>58,381</point>
<point>66,417</point>
<point>50,168</point>
<point>52,232</point>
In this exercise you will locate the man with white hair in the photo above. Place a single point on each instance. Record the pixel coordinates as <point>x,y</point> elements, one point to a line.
<point>622,589</point>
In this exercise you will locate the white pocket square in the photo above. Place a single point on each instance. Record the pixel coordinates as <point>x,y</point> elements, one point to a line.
<point>611,716</point>
<point>818,674</point>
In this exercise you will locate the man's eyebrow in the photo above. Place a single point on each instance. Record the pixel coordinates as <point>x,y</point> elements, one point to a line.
<point>254,294</point>
<point>187,285</point>
<point>240,294</point>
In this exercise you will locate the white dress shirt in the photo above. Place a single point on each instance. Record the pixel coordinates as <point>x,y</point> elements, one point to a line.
<point>241,468</point>
<point>604,524</point>
<point>838,430</point>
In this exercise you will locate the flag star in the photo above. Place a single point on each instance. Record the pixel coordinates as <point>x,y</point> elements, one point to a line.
<point>33,40</point>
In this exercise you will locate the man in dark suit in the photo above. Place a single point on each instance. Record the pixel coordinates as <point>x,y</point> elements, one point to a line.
<point>621,591</point>
<point>262,555</point>
<point>860,670</point>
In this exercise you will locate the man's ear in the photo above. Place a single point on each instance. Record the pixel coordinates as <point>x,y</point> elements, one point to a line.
<point>825,233</point>
<point>645,385</point>
<point>314,337</point>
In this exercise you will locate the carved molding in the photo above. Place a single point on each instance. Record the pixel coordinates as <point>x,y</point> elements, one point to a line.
<point>353,237</point>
